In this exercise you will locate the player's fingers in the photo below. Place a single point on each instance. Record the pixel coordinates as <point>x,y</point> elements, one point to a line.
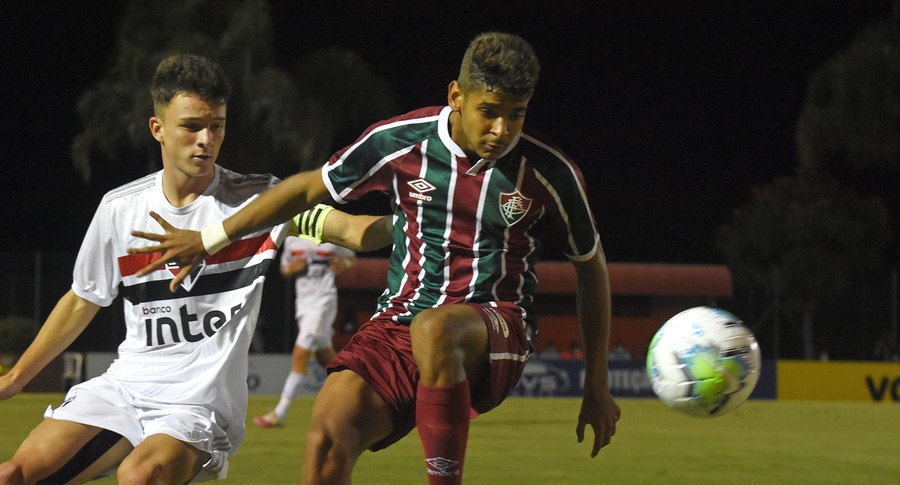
<point>153,266</point>
<point>173,285</point>
<point>599,442</point>
<point>149,235</point>
<point>185,270</point>
<point>579,431</point>
<point>603,437</point>
<point>162,222</point>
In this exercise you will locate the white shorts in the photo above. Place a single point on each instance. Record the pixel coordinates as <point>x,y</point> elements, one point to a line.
<point>315,324</point>
<point>104,403</point>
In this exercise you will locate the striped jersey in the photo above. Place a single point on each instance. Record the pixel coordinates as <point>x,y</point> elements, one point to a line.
<point>463,231</point>
<point>187,347</point>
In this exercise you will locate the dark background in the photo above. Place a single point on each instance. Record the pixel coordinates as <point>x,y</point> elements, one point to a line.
<point>673,111</point>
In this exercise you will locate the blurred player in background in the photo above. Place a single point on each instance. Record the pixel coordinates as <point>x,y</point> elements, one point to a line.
<point>171,407</point>
<point>313,268</point>
<point>473,198</point>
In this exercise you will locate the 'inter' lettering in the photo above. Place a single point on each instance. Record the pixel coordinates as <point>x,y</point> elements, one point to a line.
<point>186,319</point>
<point>168,331</point>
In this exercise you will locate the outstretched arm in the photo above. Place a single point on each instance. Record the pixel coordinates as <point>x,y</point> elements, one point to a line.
<point>359,233</point>
<point>68,319</point>
<point>598,409</point>
<point>295,194</point>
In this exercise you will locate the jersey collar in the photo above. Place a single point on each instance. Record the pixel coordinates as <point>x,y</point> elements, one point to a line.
<point>444,134</point>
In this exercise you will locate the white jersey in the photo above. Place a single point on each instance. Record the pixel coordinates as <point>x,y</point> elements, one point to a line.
<point>188,347</point>
<point>318,280</point>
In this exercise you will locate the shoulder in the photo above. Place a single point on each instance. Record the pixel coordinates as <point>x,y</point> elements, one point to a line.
<point>421,115</point>
<point>414,124</point>
<point>134,187</point>
<point>538,149</point>
<point>126,193</point>
<point>234,180</point>
<point>547,159</point>
<point>236,188</point>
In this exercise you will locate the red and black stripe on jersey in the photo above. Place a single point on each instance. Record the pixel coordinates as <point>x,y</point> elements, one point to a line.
<point>209,283</point>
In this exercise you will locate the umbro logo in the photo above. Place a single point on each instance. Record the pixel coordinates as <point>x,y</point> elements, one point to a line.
<point>421,186</point>
<point>442,467</point>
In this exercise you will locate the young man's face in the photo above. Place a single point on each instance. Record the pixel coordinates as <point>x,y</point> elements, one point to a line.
<point>488,123</point>
<point>190,131</point>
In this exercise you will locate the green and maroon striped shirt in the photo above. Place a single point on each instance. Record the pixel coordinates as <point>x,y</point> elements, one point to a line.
<point>463,232</point>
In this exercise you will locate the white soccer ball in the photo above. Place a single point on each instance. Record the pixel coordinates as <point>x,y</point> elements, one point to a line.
<point>703,361</point>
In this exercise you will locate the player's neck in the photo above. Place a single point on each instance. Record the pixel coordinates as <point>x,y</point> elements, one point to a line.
<point>181,189</point>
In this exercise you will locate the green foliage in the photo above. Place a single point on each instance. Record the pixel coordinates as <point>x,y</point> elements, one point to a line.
<point>811,228</point>
<point>274,124</point>
<point>852,108</point>
<point>819,239</point>
<point>807,240</point>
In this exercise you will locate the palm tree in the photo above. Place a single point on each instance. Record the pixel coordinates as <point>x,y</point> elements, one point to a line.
<point>272,126</point>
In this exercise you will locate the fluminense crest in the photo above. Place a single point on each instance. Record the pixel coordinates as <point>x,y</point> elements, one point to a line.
<point>514,206</point>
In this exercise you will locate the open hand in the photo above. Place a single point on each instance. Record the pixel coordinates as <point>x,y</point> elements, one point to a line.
<point>600,411</point>
<point>184,247</point>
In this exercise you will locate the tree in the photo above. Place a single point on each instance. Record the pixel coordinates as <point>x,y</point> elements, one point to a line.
<point>816,249</point>
<point>807,242</point>
<point>347,95</point>
<point>273,126</point>
<point>848,126</point>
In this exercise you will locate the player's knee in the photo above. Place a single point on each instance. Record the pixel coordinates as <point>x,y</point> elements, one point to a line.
<point>327,457</point>
<point>323,446</point>
<point>11,474</point>
<point>432,329</point>
<point>131,473</point>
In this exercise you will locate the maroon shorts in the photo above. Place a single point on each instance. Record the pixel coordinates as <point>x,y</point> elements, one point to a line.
<point>381,353</point>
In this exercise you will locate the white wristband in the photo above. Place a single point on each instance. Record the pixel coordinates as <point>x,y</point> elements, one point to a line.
<point>214,238</point>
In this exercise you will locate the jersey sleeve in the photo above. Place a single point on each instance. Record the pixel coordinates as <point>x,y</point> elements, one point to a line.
<point>572,223</point>
<point>360,168</point>
<point>96,275</point>
<point>368,164</point>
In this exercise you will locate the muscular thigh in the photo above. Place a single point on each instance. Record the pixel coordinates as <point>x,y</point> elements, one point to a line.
<point>349,410</point>
<point>173,461</point>
<point>70,449</point>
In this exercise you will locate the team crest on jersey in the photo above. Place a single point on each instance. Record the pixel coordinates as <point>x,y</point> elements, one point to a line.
<point>188,282</point>
<point>514,206</point>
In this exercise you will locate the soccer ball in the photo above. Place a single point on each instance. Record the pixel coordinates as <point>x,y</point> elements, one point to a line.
<point>703,362</point>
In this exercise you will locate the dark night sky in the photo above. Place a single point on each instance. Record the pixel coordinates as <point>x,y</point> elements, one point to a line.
<point>673,114</point>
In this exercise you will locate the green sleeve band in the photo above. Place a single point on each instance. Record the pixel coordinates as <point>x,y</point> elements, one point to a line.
<point>311,224</point>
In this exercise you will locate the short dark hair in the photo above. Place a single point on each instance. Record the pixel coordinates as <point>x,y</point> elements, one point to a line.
<point>500,62</point>
<point>188,73</point>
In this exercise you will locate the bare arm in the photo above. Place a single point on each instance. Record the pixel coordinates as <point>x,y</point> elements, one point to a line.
<point>278,204</point>
<point>293,195</point>
<point>359,233</point>
<point>598,409</point>
<point>69,318</point>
